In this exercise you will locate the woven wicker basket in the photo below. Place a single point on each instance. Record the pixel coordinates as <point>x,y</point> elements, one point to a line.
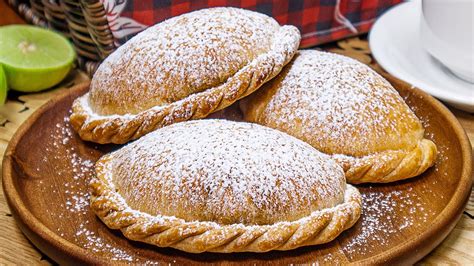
<point>83,22</point>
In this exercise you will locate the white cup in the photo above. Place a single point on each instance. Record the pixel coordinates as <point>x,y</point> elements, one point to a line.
<point>447,33</point>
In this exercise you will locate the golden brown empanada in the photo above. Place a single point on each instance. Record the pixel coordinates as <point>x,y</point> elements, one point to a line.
<point>222,186</point>
<point>183,68</point>
<point>343,108</point>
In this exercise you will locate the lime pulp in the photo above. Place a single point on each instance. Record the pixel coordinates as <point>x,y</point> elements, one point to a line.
<point>34,58</point>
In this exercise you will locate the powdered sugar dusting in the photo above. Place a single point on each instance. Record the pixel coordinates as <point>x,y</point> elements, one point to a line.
<point>334,100</point>
<point>73,194</point>
<point>178,57</point>
<point>96,244</point>
<point>387,213</point>
<point>227,172</point>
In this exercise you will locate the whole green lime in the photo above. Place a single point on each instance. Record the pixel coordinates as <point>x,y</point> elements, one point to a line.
<point>3,86</point>
<point>33,58</point>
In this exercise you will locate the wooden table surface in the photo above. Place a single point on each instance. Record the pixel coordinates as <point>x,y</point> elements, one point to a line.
<point>456,249</point>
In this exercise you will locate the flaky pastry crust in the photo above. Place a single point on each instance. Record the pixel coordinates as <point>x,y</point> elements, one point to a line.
<point>389,166</point>
<point>345,109</point>
<point>123,109</point>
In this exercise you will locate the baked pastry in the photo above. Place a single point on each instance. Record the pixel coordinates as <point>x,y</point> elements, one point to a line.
<point>183,68</point>
<point>345,109</point>
<point>222,186</point>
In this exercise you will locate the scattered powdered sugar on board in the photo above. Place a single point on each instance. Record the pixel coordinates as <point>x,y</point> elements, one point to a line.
<point>442,159</point>
<point>383,214</point>
<point>77,201</point>
<point>96,244</point>
<point>74,193</point>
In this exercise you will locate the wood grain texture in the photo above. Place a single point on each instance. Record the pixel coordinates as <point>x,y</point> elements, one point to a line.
<point>16,249</point>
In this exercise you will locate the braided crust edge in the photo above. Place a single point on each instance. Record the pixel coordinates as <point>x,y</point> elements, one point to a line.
<point>123,128</point>
<point>195,237</point>
<point>389,166</point>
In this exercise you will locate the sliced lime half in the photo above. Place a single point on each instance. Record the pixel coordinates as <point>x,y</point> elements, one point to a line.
<point>34,58</point>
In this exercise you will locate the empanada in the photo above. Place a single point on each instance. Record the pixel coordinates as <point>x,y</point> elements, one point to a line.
<point>345,109</point>
<point>183,68</point>
<point>222,186</point>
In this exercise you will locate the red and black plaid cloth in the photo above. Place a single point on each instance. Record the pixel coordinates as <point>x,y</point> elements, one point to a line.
<point>314,18</point>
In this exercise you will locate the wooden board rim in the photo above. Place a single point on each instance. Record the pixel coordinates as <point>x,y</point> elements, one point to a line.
<point>439,229</point>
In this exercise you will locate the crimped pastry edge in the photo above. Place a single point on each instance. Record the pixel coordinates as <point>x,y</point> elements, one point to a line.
<point>319,227</point>
<point>389,166</point>
<point>120,129</point>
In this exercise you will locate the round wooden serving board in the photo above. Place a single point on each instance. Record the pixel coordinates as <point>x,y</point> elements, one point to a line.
<point>47,167</point>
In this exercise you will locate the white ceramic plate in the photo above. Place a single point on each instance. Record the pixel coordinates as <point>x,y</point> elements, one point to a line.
<point>395,44</point>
